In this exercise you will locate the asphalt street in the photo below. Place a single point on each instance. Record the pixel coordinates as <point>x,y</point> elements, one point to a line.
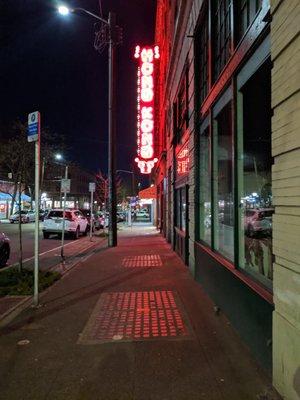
<point>12,231</point>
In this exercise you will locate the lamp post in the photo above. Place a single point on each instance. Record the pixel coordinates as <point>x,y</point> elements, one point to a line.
<point>59,157</point>
<point>128,172</point>
<point>129,212</point>
<point>110,35</point>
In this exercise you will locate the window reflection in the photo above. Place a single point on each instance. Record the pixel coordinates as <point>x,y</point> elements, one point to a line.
<point>255,177</point>
<point>205,187</point>
<point>223,184</point>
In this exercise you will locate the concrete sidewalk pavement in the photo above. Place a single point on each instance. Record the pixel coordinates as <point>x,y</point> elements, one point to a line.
<point>129,323</point>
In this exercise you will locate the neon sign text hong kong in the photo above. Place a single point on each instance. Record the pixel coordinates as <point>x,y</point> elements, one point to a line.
<point>145,107</point>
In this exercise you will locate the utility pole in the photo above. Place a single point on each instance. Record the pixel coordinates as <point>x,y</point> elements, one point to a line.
<point>112,198</point>
<point>111,34</point>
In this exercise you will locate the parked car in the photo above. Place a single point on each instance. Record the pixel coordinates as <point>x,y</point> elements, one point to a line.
<point>142,214</point>
<point>42,214</point>
<point>121,216</point>
<point>258,221</point>
<point>4,249</point>
<point>26,216</point>
<point>86,213</point>
<point>75,223</point>
<point>101,221</point>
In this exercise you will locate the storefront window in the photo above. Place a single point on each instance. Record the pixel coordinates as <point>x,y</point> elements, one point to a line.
<point>178,207</point>
<point>205,187</point>
<point>223,184</point>
<point>254,175</point>
<point>181,207</point>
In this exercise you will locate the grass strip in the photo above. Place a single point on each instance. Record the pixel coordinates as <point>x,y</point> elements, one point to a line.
<point>14,282</point>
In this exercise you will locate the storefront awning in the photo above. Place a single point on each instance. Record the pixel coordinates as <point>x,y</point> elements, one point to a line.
<point>6,196</point>
<point>149,193</point>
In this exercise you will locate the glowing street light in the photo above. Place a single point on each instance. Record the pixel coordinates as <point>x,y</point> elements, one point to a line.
<point>63,10</point>
<point>58,157</point>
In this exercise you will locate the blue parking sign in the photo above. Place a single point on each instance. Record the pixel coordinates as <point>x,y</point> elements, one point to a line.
<point>34,124</point>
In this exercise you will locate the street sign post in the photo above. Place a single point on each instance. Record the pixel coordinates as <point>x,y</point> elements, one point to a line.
<point>65,185</point>
<point>92,188</point>
<point>33,135</point>
<point>34,126</point>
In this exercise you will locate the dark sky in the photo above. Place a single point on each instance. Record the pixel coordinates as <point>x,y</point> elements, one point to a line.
<point>48,63</point>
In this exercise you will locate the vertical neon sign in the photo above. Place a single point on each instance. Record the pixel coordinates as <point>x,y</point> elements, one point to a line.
<point>145,107</point>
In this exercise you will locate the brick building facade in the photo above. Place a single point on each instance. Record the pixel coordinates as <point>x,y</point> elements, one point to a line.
<point>285,52</point>
<point>228,177</point>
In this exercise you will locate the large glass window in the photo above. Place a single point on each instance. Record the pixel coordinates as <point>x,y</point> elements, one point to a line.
<point>202,58</point>
<point>223,183</point>
<point>246,11</point>
<point>254,175</point>
<point>205,186</point>
<point>181,208</point>
<point>221,27</point>
<point>178,208</point>
<point>181,106</point>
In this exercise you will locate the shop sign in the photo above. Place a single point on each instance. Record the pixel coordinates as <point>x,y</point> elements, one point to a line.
<point>145,107</point>
<point>183,161</point>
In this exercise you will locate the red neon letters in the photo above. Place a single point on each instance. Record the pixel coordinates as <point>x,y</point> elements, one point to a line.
<point>145,107</point>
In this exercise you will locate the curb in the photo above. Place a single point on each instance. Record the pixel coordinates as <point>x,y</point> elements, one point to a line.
<point>14,311</point>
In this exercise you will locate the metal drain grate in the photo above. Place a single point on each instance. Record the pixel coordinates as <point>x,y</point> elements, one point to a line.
<point>129,316</point>
<point>150,260</point>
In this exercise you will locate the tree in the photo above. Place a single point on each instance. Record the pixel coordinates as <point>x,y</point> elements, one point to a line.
<point>17,159</point>
<point>102,190</point>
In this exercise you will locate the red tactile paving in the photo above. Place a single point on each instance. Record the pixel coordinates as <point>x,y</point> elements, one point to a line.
<point>129,316</point>
<point>149,260</point>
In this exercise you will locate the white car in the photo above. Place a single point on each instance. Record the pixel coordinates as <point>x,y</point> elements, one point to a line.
<point>75,223</point>
<point>142,214</point>
<point>258,221</point>
<point>26,216</point>
<point>101,222</point>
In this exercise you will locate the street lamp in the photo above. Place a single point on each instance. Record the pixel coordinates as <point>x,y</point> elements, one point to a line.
<point>110,34</point>
<point>59,157</point>
<point>63,10</point>
<point>128,172</point>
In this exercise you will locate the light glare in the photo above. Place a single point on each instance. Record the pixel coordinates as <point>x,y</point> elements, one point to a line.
<point>63,10</point>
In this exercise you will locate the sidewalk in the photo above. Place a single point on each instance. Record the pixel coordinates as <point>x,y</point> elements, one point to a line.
<point>129,323</point>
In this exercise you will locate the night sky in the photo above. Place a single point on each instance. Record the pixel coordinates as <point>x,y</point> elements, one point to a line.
<point>48,63</point>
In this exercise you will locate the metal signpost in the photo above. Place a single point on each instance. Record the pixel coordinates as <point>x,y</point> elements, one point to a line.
<point>92,188</point>
<point>65,188</point>
<point>33,135</point>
